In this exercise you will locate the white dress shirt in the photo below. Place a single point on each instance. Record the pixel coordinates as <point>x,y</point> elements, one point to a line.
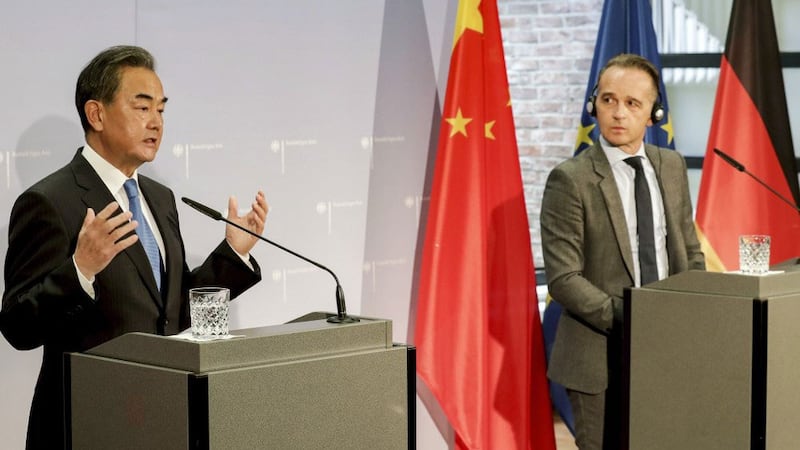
<point>114,180</point>
<point>624,176</point>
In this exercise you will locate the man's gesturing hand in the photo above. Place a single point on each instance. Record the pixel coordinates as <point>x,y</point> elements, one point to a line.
<point>100,238</point>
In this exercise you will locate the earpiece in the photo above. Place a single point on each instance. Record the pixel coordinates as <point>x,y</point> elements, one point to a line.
<point>656,114</point>
<point>590,104</point>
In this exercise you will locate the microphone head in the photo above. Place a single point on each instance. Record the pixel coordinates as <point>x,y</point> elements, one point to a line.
<point>728,159</point>
<point>216,215</point>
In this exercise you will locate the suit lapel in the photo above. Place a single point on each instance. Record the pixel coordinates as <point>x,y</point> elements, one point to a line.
<point>608,186</point>
<point>97,196</point>
<point>668,191</point>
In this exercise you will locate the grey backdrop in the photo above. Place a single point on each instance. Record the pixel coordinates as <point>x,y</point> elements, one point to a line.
<point>331,107</point>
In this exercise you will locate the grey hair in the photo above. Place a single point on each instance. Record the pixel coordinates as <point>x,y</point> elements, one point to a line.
<point>100,79</point>
<point>633,61</point>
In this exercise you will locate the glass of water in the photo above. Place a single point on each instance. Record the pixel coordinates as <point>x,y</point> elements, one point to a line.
<point>754,254</point>
<point>208,307</point>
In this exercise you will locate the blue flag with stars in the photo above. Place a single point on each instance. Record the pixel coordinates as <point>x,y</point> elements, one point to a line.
<point>626,26</point>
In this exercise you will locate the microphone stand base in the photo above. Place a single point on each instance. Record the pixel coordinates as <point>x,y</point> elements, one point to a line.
<point>343,319</point>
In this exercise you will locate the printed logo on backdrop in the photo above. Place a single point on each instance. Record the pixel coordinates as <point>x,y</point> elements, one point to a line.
<point>185,151</point>
<point>415,202</point>
<point>6,167</point>
<point>8,158</point>
<point>371,268</point>
<point>284,145</point>
<point>368,143</point>
<point>283,277</point>
<point>328,208</point>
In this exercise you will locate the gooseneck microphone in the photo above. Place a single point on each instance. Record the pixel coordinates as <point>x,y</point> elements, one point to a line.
<point>341,310</point>
<point>736,164</point>
<point>740,167</point>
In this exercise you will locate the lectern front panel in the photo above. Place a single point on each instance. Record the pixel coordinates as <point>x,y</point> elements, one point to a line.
<point>713,361</point>
<point>690,371</point>
<point>783,372</point>
<point>123,405</point>
<point>363,404</point>
<point>306,385</point>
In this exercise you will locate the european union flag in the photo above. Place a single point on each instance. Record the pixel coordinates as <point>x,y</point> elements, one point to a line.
<point>625,27</point>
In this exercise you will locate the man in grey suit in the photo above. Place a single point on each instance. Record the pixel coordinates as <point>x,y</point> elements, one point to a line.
<point>78,270</point>
<point>591,243</point>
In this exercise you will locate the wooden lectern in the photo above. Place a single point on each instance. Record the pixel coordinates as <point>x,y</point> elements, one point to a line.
<point>307,384</point>
<point>713,362</point>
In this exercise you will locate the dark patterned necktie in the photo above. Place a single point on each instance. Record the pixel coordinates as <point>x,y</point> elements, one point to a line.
<point>146,236</point>
<point>648,268</point>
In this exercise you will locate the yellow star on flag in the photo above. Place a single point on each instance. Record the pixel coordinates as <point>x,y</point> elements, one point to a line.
<point>583,135</point>
<point>488,129</point>
<point>459,124</point>
<point>468,17</point>
<point>668,128</point>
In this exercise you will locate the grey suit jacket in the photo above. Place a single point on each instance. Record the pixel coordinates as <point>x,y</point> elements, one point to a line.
<point>588,257</point>
<point>44,304</point>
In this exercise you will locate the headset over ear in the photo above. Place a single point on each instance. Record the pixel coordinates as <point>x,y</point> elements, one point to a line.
<point>656,114</point>
<point>590,108</point>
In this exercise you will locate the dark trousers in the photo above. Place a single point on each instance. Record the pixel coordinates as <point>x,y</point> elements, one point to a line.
<point>599,418</point>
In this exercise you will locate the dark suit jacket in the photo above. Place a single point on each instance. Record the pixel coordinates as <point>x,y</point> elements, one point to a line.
<point>44,304</point>
<point>588,257</point>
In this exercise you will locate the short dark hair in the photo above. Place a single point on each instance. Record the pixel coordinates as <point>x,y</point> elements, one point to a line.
<point>633,61</point>
<point>100,79</point>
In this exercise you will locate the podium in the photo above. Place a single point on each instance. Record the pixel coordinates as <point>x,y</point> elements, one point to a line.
<point>306,384</point>
<point>713,362</point>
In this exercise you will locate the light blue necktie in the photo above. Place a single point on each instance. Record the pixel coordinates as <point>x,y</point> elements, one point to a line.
<point>146,236</point>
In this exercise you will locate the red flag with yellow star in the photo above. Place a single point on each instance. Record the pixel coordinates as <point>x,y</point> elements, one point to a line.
<point>478,335</point>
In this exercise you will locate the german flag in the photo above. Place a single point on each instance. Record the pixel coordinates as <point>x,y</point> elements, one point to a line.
<point>751,124</point>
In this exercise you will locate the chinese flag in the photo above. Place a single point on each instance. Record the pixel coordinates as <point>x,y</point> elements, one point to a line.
<point>751,124</point>
<point>478,334</point>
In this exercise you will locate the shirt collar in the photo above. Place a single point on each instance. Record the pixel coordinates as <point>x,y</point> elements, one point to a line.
<point>112,177</point>
<point>616,155</point>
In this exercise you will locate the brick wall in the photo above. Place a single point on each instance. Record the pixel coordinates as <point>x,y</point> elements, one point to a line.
<point>549,46</point>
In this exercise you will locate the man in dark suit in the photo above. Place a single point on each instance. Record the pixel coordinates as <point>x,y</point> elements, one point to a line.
<point>590,240</point>
<point>77,273</point>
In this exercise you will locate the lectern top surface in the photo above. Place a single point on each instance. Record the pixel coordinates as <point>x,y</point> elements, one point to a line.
<point>284,342</point>
<point>731,283</point>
